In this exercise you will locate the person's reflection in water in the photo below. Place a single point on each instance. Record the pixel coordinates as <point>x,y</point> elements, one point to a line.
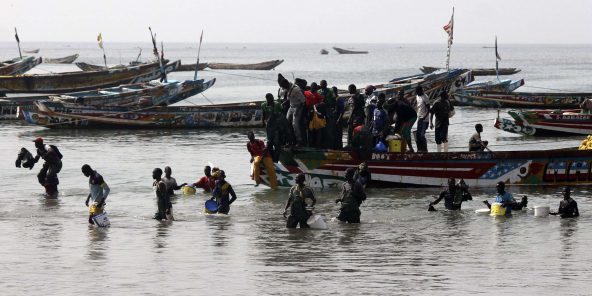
<point>97,243</point>
<point>567,230</point>
<point>160,238</point>
<point>219,224</point>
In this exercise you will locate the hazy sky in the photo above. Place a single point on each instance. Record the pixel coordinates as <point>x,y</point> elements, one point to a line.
<point>323,21</point>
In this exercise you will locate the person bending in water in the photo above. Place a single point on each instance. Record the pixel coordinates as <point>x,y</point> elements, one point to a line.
<point>99,190</point>
<point>48,175</point>
<point>170,182</point>
<point>506,199</point>
<point>453,196</point>
<point>163,200</point>
<point>352,196</point>
<point>207,182</point>
<point>568,207</point>
<point>301,197</point>
<point>222,194</point>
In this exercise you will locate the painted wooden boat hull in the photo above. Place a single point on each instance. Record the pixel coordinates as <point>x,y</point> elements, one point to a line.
<point>547,123</point>
<point>477,71</point>
<point>489,99</point>
<point>191,67</point>
<point>347,51</point>
<point>19,66</point>
<point>268,65</point>
<point>325,169</point>
<point>64,60</point>
<point>79,81</point>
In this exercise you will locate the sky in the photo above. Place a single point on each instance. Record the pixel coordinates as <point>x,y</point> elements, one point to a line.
<point>299,21</point>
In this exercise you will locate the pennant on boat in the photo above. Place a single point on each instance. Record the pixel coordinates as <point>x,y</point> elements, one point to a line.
<point>449,28</point>
<point>497,56</point>
<point>100,40</point>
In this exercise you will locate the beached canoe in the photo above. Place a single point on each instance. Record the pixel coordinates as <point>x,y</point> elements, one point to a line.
<point>269,65</point>
<point>347,51</point>
<point>477,71</point>
<point>78,81</point>
<point>546,122</point>
<point>326,168</point>
<point>191,67</point>
<point>90,67</point>
<point>31,50</point>
<point>64,60</point>
<point>18,66</point>
<point>493,99</point>
<point>56,115</point>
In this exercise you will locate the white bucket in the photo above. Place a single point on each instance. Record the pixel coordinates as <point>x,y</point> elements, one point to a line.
<point>316,222</point>
<point>541,211</point>
<point>101,220</point>
<point>482,211</point>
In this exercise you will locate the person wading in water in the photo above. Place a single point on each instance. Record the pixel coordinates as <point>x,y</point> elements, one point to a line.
<point>99,190</point>
<point>163,200</point>
<point>301,197</point>
<point>48,175</point>
<point>352,196</point>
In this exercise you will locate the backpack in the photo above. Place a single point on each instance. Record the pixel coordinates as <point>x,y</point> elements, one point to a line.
<point>57,151</point>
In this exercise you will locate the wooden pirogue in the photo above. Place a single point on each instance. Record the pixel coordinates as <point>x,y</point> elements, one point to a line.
<point>18,66</point>
<point>79,81</point>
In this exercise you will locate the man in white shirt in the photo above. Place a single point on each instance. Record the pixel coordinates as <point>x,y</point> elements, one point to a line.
<point>423,112</point>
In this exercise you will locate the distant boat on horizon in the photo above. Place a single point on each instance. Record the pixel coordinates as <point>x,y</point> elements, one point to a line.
<point>347,51</point>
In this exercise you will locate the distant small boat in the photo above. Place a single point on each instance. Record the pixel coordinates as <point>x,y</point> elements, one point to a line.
<point>347,51</point>
<point>191,67</point>
<point>477,71</point>
<point>324,51</point>
<point>64,60</point>
<point>18,66</point>
<point>269,65</point>
<point>31,50</point>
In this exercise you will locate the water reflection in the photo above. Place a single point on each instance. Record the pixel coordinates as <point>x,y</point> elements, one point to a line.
<point>220,225</point>
<point>161,236</point>
<point>97,243</point>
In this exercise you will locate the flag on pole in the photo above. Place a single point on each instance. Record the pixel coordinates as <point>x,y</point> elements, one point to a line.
<point>100,40</point>
<point>16,35</point>
<point>497,56</point>
<point>449,28</point>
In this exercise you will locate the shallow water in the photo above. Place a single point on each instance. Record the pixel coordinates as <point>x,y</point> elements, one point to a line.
<point>399,248</point>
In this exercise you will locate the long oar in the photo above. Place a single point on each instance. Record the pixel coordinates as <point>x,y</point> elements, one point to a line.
<point>18,42</point>
<point>198,52</point>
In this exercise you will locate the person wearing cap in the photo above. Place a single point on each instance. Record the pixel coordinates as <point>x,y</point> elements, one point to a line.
<point>171,182</point>
<point>442,109</point>
<point>503,197</point>
<point>163,200</point>
<point>48,175</point>
<point>99,190</point>
<point>423,119</point>
<point>222,194</point>
<point>371,100</point>
<point>568,207</point>
<point>453,196</point>
<point>259,154</point>
<point>301,200</point>
<point>352,196</point>
<point>207,182</point>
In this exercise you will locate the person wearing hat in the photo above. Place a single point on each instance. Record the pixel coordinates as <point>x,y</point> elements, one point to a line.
<point>300,202</point>
<point>352,196</point>
<point>48,175</point>
<point>568,207</point>
<point>99,190</point>
<point>163,200</point>
<point>442,109</point>
<point>222,194</point>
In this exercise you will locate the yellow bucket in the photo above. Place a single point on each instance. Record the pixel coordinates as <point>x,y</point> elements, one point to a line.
<point>188,190</point>
<point>94,210</point>
<point>396,145</point>
<point>497,209</point>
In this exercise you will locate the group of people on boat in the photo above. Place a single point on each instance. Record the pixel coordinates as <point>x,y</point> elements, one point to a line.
<point>314,115</point>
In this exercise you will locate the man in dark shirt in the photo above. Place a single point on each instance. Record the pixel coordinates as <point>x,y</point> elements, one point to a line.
<point>48,175</point>
<point>406,117</point>
<point>475,142</point>
<point>442,109</point>
<point>568,208</point>
<point>352,196</point>
<point>356,103</point>
<point>453,196</point>
<point>163,200</point>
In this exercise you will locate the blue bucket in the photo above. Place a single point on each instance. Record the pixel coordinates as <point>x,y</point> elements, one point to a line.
<point>211,206</point>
